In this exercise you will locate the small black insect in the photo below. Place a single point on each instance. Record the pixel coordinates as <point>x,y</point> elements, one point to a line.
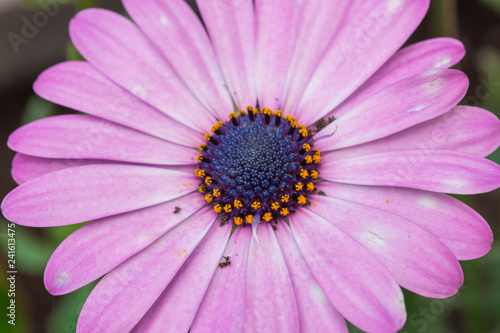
<point>177,210</point>
<point>275,227</point>
<point>225,263</point>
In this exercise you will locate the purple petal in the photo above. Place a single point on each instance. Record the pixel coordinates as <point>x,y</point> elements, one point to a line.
<point>416,259</point>
<point>80,86</point>
<point>317,26</point>
<point>118,49</point>
<point>223,305</point>
<point>454,223</point>
<point>176,31</point>
<point>132,288</point>
<point>316,312</point>
<point>270,303</point>
<point>177,306</point>
<point>101,245</point>
<point>431,170</point>
<point>25,167</point>
<point>366,42</point>
<point>355,281</point>
<point>397,107</point>
<point>465,129</point>
<point>415,59</point>
<point>231,28</point>
<point>275,33</point>
<point>86,137</point>
<point>89,192</point>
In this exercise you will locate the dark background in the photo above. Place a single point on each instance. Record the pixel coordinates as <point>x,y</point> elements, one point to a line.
<point>476,23</point>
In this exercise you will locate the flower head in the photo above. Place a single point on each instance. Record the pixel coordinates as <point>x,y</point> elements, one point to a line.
<point>280,173</point>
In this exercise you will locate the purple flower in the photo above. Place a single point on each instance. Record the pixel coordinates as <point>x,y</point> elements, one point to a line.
<point>321,195</point>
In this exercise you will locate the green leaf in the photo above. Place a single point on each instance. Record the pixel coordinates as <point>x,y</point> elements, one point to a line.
<point>32,252</point>
<point>37,108</point>
<point>492,4</point>
<point>67,310</point>
<point>72,53</point>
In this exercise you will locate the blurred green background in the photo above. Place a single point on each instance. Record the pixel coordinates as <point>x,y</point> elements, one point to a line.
<point>476,308</point>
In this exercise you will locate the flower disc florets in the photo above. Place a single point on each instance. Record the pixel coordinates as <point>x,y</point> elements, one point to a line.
<point>258,166</point>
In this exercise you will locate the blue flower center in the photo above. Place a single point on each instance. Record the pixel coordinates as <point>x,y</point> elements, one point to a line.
<point>257,167</point>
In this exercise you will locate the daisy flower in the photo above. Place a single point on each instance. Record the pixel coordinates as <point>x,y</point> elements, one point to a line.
<point>280,167</point>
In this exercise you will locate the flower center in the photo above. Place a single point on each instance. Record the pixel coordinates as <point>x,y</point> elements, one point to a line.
<point>258,166</point>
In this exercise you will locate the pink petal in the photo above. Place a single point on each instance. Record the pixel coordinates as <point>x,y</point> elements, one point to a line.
<point>276,26</point>
<point>319,23</point>
<point>454,223</point>
<point>176,308</point>
<point>176,31</point>
<point>132,288</point>
<point>415,59</point>
<point>397,107</point>
<point>230,25</point>
<point>355,281</point>
<point>316,312</point>
<point>364,44</point>
<point>26,167</point>
<point>270,303</point>
<point>431,170</point>
<point>223,305</point>
<point>80,86</point>
<point>86,137</point>
<point>89,192</point>
<point>465,129</point>
<point>117,48</point>
<point>416,259</point>
<point>101,245</point>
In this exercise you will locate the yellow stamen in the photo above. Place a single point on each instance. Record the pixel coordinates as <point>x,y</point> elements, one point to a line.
<point>202,147</point>
<point>290,118</point>
<point>238,220</point>
<point>237,204</point>
<point>303,130</point>
<point>207,137</point>
<point>216,193</point>
<point>267,217</point>
<point>284,211</point>
<point>266,111</point>
<point>252,110</point>
<point>249,219</point>
<point>310,187</point>
<point>256,205</point>
<point>304,173</point>
<point>302,200</point>
<point>208,180</point>
<point>232,115</point>
<point>278,113</point>
<point>314,174</point>
<point>228,208</point>
<point>285,197</point>
<point>308,159</point>
<point>199,158</point>
<point>299,186</point>
<point>209,197</point>
<point>316,158</point>
<point>217,208</point>
<point>275,206</point>
<point>294,124</point>
<point>200,173</point>
<point>202,188</point>
<point>306,147</point>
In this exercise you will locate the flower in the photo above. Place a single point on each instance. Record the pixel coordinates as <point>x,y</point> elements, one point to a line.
<point>298,122</point>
